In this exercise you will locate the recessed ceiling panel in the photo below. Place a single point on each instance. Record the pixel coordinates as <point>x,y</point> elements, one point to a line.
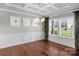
<point>32,8</point>
<point>39,4</point>
<point>19,4</point>
<point>43,11</point>
<point>60,5</point>
<point>42,5</point>
<point>50,9</point>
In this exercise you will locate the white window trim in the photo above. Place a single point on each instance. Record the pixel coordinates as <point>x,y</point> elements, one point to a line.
<point>73,32</point>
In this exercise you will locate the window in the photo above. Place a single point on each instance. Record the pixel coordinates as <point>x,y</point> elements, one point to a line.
<point>62,28</point>
<point>66,28</point>
<point>55,27</point>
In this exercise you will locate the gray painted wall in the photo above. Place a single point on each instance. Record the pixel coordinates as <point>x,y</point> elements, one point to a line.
<point>10,36</point>
<point>62,40</point>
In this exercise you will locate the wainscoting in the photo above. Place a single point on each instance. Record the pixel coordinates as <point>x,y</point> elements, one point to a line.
<point>11,39</point>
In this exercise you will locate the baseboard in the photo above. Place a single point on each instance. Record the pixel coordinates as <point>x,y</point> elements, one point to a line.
<point>17,43</point>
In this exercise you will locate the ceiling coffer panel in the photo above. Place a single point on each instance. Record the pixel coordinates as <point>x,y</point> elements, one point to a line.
<point>50,9</point>
<point>43,11</point>
<point>39,4</point>
<point>60,5</point>
<point>32,8</point>
<point>37,10</point>
<point>19,4</point>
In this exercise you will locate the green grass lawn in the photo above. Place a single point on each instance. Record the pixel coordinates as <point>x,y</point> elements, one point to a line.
<point>66,33</point>
<point>56,29</point>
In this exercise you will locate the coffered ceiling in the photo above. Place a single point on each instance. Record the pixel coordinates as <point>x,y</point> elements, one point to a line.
<point>38,9</point>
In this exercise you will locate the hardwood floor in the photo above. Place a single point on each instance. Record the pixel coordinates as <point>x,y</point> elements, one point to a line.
<point>39,48</point>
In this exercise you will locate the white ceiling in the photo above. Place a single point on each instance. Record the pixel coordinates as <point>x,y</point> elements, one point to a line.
<point>38,9</point>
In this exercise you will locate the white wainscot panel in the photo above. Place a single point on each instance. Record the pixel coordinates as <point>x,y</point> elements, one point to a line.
<point>32,36</point>
<point>15,38</point>
<point>26,37</point>
<point>3,39</point>
<point>37,36</point>
<point>10,39</point>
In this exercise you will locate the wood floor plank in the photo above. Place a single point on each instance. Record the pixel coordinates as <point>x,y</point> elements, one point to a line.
<point>39,48</point>
<point>13,51</point>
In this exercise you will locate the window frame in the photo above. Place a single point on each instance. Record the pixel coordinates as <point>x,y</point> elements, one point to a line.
<point>73,29</point>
